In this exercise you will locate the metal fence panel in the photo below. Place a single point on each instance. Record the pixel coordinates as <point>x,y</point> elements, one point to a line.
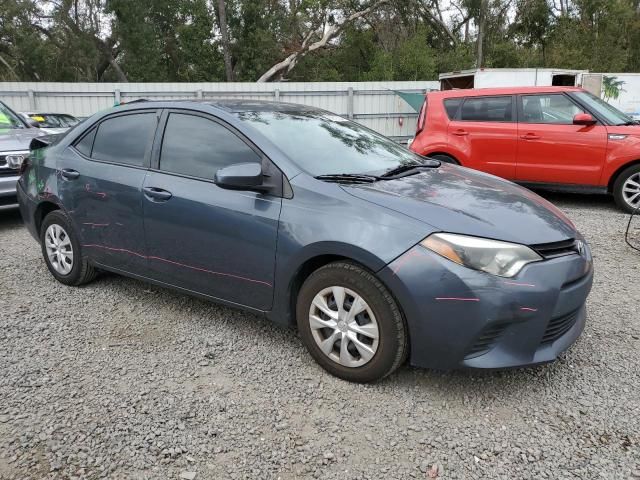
<point>373,104</point>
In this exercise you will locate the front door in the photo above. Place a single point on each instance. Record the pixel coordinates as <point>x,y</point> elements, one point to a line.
<point>210,240</point>
<point>100,182</point>
<point>486,131</point>
<point>551,149</point>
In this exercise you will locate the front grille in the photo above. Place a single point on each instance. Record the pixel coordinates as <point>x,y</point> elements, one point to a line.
<point>487,339</point>
<point>557,249</point>
<point>558,326</point>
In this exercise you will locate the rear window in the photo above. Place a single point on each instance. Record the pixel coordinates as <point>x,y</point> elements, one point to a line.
<point>124,139</point>
<point>451,106</point>
<point>487,109</point>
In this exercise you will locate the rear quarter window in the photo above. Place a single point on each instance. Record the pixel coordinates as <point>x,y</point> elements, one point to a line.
<point>487,109</point>
<point>451,106</point>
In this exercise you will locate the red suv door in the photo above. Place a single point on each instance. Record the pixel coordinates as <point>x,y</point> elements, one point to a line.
<point>551,149</point>
<point>485,133</point>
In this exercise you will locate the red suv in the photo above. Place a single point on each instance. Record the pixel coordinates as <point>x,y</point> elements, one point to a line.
<point>543,137</point>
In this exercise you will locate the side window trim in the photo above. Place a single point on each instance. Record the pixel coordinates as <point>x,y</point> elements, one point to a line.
<point>466,99</point>
<point>96,126</point>
<point>267,164</point>
<point>521,107</point>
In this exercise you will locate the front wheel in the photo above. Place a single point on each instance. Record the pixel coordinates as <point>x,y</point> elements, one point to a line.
<point>626,189</point>
<point>350,323</point>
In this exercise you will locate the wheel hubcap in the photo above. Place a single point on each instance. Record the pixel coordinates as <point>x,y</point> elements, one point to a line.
<point>631,190</point>
<point>59,249</point>
<point>344,326</point>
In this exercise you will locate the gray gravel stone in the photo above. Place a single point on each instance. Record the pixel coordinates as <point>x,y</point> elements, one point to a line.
<point>106,381</point>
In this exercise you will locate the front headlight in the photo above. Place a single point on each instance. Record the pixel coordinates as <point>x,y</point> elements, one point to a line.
<point>492,256</point>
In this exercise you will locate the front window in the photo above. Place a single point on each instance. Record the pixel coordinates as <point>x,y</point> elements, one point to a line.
<point>323,144</point>
<point>554,108</point>
<point>609,113</point>
<point>8,119</point>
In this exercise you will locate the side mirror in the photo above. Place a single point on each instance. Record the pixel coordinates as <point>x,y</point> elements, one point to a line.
<point>241,176</point>
<point>583,119</point>
<point>33,123</point>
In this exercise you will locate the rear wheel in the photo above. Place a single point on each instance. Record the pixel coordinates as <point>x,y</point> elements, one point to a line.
<point>62,252</point>
<point>626,189</point>
<point>350,323</point>
<point>444,158</point>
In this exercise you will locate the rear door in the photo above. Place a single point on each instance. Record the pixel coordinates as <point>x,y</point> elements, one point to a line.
<point>551,149</point>
<point>100,182</point>
<point>210,240</point>
<point>485,132</point>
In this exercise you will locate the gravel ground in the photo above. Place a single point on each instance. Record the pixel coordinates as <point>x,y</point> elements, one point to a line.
<point>120,379</point>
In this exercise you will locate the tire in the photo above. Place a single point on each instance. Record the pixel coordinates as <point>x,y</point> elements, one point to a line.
<point>632,174</point>
<point>444,158</point>
<point>391,346</point>
<point>79,269</point>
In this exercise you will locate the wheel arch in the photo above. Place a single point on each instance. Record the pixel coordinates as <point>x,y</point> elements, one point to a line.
<point>616,174</point>
<point>440,152</point>
<point>286,297</point>
<point>42,210</point>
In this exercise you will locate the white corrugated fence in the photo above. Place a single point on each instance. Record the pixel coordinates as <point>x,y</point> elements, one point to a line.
<point>373,104</point>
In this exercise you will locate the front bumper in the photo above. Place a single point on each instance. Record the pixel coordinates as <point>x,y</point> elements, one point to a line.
<point>8,197</point>
<point>462,318</point>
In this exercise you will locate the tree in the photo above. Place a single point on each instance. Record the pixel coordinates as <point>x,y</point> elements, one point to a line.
<point>325,31</point>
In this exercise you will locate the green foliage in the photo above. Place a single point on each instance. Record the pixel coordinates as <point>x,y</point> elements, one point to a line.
<point>179,40</point>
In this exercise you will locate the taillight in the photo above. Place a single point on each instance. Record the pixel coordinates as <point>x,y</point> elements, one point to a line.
<point>24,165</point>
<point>421,117</point>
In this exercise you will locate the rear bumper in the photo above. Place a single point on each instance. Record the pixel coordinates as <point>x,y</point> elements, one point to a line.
<point>8,197</point>
<point>28,211</point>
<point>462,318</point>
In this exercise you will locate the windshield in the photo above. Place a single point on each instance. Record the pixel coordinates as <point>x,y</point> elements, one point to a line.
<point>323,144</point>
<point>611,114</point>
<point>8,119</point>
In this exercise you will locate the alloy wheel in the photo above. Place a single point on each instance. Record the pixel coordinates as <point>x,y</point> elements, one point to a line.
<point>631,190</point>
<point>344,326</point>
<point>59,249</point>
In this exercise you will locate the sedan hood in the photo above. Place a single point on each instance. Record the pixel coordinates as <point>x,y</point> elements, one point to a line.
<point>18,138</point>
<point>459,200</point>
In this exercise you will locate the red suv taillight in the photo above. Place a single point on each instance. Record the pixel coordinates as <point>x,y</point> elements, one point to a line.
<point>422,117</point>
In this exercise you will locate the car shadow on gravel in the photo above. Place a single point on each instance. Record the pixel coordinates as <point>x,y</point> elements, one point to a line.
<point>209,319</point>
<point>580,200</point>
<point>10,219</point>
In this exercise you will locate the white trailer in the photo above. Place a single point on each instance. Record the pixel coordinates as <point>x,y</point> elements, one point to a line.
<point>511,77</point>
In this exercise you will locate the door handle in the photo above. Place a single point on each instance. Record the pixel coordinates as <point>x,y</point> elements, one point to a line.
<point>530,136</point>
<point>460,132</point>
<point>69,173</point>
<point>157,194</point>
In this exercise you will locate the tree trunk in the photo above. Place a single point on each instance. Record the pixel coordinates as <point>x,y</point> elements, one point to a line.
<point>481,28</point>
<point>226,52</point>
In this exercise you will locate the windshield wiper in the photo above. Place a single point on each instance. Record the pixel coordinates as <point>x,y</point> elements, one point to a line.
<point>409,168</point>
<point>348,178</point>
<point>628,124</point>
